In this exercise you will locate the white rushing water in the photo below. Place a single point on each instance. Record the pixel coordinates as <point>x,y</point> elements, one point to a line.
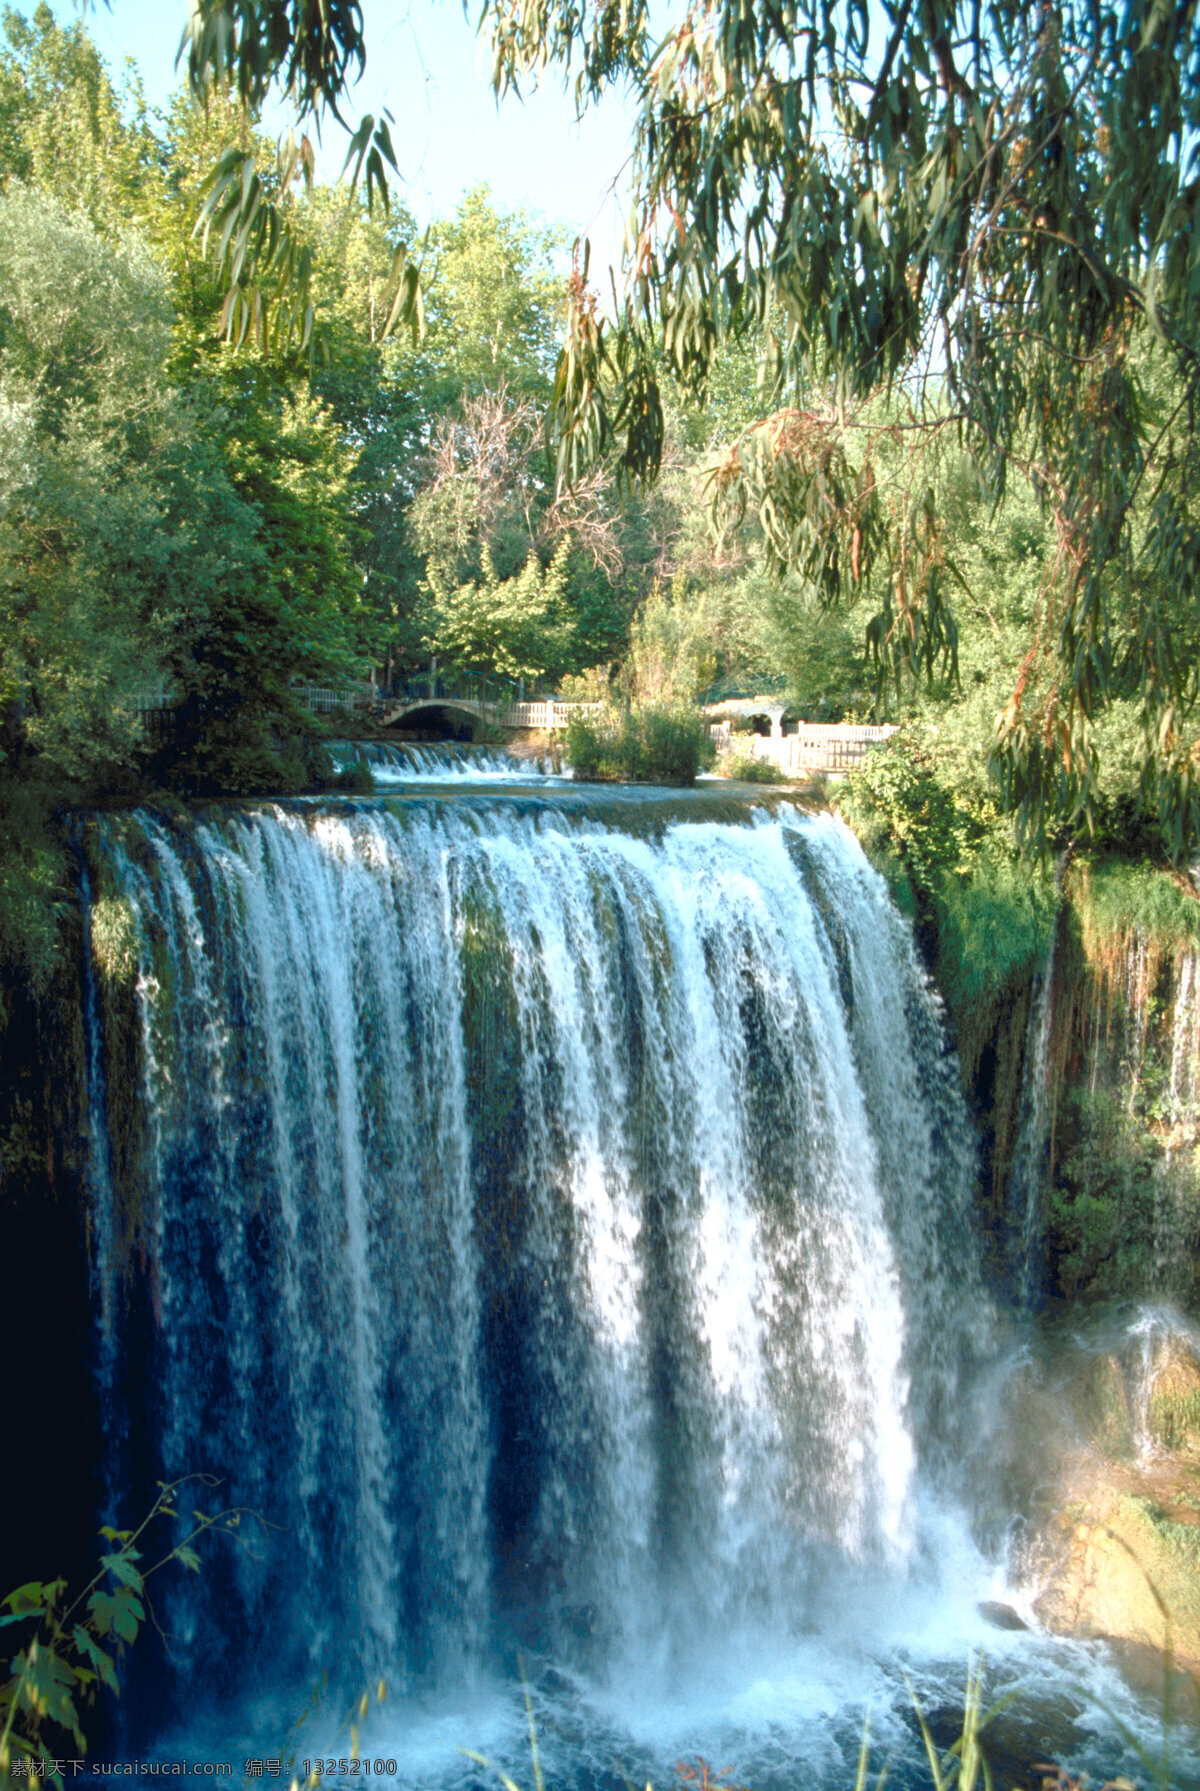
<point>401,762</point>
<point>560,1235</point>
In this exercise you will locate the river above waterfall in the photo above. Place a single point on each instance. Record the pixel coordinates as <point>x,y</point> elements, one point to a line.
<point>548,1211</point>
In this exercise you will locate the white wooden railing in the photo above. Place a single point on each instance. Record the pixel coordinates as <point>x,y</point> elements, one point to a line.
<point>148,702</point>
<point>320,700</point>
<point>543,715</point>
<point>323,699</point>
<point>815,746</point>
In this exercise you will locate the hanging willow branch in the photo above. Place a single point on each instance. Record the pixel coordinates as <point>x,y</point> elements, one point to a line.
<point>312,52</point>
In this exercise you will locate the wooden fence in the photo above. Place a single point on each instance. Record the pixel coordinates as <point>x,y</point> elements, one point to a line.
<point>815,746</point>
<point>542,715</point>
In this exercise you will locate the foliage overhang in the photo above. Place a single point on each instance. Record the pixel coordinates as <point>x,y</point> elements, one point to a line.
<point>985,210</point>
<point>312,51</point>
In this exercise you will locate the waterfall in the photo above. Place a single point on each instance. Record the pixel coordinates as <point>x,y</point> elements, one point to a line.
<point>1027,1177</point>
<point>1175,1192</point>
<point>557,1232</point>
<point>1184,1084</point>
<point>405,762</point>
<point>1136,985</point>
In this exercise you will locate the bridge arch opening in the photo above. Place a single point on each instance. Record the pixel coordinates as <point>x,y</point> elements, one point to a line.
<point>436,721</point>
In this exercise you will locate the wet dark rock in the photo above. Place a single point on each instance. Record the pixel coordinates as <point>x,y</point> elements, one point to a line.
<point>1020,1738</point>
<point>1000,1616</point>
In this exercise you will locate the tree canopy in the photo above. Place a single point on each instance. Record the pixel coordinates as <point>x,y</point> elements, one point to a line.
<point>982,209</point>
<point>954,242</point>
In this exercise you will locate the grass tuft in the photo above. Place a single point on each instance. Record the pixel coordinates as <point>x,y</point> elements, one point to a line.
<point>745,769</point>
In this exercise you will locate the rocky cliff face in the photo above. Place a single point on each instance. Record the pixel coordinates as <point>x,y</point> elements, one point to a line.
<point>1103,1457</point>
<point>1087,1096</point>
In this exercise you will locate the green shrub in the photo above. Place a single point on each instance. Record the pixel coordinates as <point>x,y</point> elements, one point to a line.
<point>659,744</point>
<point>1117,900</point>
<point>594,748</point>
<point>994,925</point>
<point>356,779</point>
<point>748,770</point>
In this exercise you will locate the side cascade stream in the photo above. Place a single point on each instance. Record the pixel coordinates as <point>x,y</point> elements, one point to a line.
<point>1028,1175</point>
<point>557,1232</point>
<point>1118,1126</point>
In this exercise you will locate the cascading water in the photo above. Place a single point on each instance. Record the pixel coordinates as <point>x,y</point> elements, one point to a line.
<point>554,1222</point>
<point>1156,1034</point>
<point>1184,1086</point>
<point>404,761</point>
<point>1027,1177</point>
<point>1176,1191</point>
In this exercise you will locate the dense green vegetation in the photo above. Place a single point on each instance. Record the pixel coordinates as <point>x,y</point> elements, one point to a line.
<point>977,218</point>
<point>980,215</point>
<point>182,523</point>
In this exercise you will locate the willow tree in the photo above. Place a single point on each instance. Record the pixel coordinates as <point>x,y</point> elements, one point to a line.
<point>984,209</point>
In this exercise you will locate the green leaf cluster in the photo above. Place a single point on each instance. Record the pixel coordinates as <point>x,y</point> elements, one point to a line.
<point>949,855</point>
<point>983,211</point>
<point>513,627</point>
<point>70,1648</point>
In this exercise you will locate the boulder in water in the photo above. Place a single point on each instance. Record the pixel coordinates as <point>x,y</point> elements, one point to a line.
<point>1115,1541</point>
<point>1000,1616</point>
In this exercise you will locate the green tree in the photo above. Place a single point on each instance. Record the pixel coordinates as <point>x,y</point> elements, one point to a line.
<point>515,627</point>
<point>65,128</point>
<point>84,415</point>
<point>494,301</point>
<point>492,305</point>
<point>284,605</point>
<point>453,462</point>
<point>990,207</point>
<point>151,537</point>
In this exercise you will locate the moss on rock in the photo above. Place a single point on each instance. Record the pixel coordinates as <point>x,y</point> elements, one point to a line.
<point>1173,1414</point>
<point>1127,1571</point>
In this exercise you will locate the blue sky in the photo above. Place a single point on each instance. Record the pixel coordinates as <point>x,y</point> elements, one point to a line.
<point>426,64</point>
